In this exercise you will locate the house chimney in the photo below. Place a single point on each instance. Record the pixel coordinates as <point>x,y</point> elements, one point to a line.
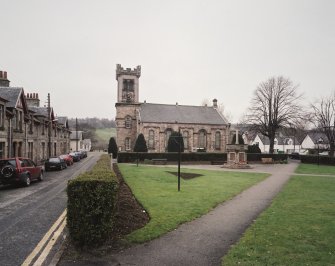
<point>215,103</point>
<point>4,82</point>
<point>33,100</point>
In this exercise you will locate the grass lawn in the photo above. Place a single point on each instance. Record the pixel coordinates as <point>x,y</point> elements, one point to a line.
<point>157,191</point>
<point>305,168</point>
<point>297,229</point>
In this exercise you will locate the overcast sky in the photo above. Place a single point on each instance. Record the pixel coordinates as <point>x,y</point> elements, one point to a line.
<point>189,50</point>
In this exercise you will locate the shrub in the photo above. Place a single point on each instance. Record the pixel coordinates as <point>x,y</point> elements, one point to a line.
<point>90,207</point>
<point>112,147</point>
<point>315,159</point>
<point>129,157</point>
<point>240,139</point>
<point>175,140</point>
<point>140,144</point>
<point>254,149</point>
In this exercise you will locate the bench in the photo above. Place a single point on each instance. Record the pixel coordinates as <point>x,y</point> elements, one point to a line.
<point>159,161</point>
<point>267,160</point>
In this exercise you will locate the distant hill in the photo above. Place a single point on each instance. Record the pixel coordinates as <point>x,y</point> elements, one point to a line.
<point>91,123</point>
<point>104,134</point>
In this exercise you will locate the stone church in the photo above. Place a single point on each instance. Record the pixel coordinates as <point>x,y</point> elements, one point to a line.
<point>202,127</point>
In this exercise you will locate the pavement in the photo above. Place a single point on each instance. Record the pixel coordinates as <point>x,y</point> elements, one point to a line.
<point>207,239</point>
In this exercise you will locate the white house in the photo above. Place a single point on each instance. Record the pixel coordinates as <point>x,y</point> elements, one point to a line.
<point>283,144</point>
<point>315,140</point>
<point>76,140</point>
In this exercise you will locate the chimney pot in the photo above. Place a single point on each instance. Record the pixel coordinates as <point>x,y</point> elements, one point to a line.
<point>5,75</point>
<point>0,74</point>
<point>215,103</point>
<point>36,95</point>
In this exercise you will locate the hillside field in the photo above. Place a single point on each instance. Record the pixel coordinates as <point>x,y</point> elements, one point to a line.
<point>104,134</point>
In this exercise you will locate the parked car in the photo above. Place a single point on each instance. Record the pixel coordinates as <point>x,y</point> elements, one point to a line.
<point>324,153</point>
<point>84,153</point>
<point>294,155</point>
<point>67,158</point>
<point>19,170</point>
<point>55,163</point>
<point>75,156</point>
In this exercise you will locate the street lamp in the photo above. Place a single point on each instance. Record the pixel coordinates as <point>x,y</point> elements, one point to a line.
<point>319,141</point>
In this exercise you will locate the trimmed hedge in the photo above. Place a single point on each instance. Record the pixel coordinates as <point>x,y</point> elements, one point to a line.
<point>256,157</point>
<point>90,208</point>
<point>130,157</point>
<point>314,159</point>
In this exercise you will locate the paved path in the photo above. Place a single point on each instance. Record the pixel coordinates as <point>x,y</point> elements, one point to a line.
<point>206,240</point>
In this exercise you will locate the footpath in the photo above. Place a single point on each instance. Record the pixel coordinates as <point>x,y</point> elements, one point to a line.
<point>207,239</point>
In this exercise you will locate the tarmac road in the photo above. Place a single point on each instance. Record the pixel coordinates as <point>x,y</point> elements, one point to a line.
<point>27,213</point>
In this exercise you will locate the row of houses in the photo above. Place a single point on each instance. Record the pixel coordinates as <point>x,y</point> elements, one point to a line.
<point>285,142</point>
<point>28,129</point>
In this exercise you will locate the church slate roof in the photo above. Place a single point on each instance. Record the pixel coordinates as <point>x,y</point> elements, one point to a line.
<point>184,114</point>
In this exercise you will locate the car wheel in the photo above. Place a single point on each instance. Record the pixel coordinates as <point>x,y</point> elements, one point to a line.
<point>40,178</point>
<point>26,181</point>
<point>8,171</point>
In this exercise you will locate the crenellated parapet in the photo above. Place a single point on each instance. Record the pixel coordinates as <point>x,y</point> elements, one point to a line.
<point>127,71</point>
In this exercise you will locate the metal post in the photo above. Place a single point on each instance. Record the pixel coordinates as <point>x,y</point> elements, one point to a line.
<point>76,134</point>
<point>49,126</point>
<point>318,153</point>
<point>179,158</point>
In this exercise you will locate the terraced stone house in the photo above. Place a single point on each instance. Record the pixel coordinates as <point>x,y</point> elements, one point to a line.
<point>26,128</point>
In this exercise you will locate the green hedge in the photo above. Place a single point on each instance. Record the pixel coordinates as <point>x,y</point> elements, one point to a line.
<point>257,157</point>
<point>129,157</point>
<point>90,207</point>
<point>314,159</point>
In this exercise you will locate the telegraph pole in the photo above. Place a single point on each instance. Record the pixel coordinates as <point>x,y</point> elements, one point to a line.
<point>49,126</point>
<point>76,134</point>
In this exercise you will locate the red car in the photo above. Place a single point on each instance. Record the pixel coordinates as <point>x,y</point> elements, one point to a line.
<point>67,158</point>
<point>19,170</point>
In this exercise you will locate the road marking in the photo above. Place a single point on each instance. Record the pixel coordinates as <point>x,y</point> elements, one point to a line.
<point>44,240</point>
<point>50,244</point>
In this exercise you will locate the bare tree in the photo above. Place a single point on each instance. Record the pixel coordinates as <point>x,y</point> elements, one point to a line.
<point>324,117</point>
<point>275,105</point>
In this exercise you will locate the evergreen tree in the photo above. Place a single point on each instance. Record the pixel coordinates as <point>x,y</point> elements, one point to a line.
<point>140,144</point>
<point>112,147</point>
<point>174,140</point>
<point>240,139</point>
<point>254,149</point>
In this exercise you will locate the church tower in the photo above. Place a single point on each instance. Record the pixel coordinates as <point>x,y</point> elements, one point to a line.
<point>127,84</point>
<point>126,106</point>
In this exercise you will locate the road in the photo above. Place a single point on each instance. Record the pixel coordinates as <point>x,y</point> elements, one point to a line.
<point>27,213</point>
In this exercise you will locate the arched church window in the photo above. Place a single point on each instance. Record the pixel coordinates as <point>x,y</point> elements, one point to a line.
<point>202,139</point>
<point>217,140</point>
<point>127,144</point>
<point>185,138</point>
<point>151,139</point>
<point>167,136</point>
<point>128,122</point>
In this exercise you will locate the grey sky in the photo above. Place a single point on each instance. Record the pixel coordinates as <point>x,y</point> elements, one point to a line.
<point>188,50</point>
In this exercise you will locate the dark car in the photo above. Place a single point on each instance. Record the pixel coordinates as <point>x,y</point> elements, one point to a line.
<point>75,156</point>
<point>19,170</point>
<point>294,155</point>
<point>55,163</point>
